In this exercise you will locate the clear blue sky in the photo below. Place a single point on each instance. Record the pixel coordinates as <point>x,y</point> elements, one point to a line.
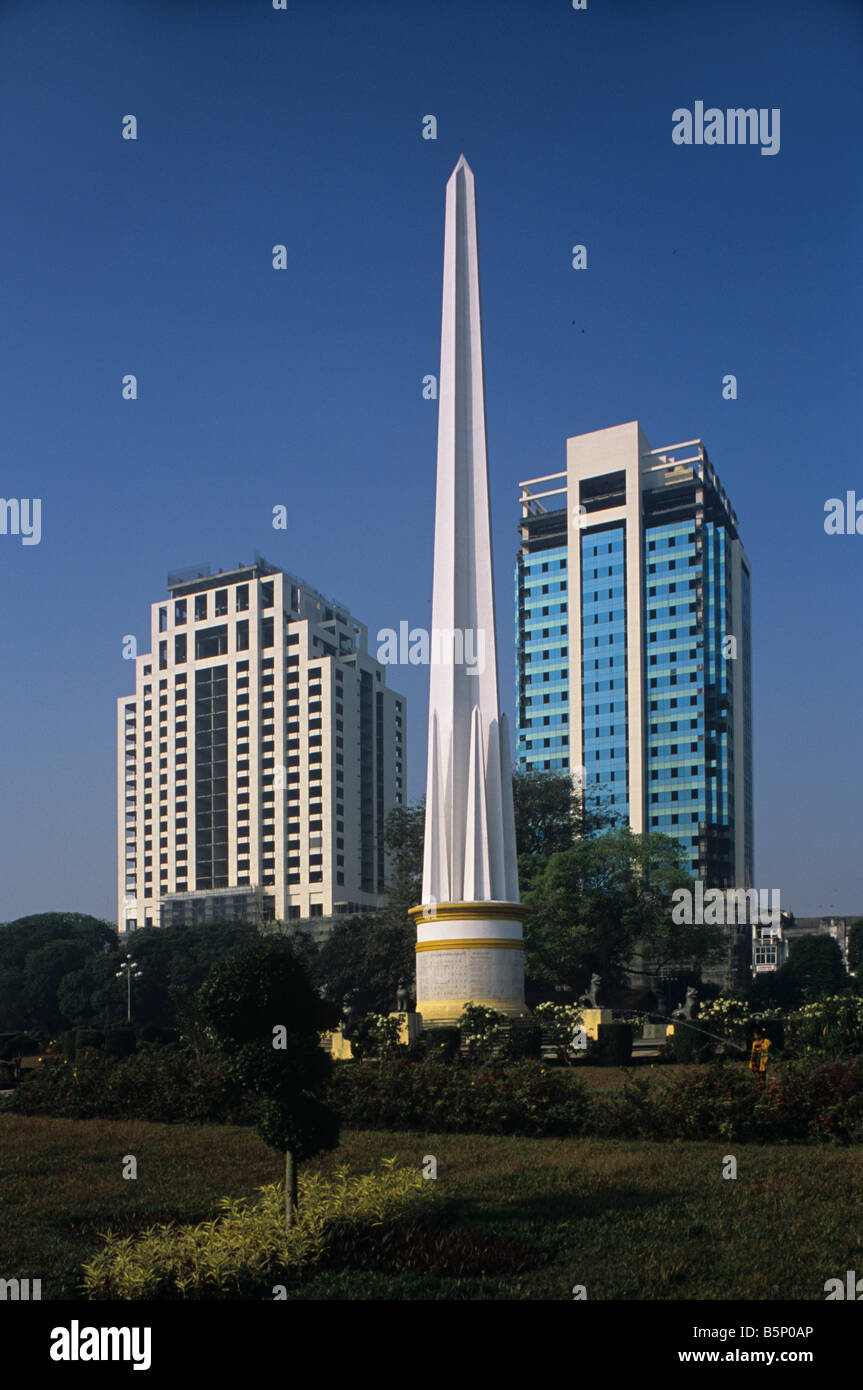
<point>303,387</point>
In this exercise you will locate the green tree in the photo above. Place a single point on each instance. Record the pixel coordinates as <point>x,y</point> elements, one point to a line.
<point>267,1018</point>
<point>175,961</point>
<point>544,804</point>
<point>815,965</point>
<point>368,953</point>
<point>93,996</point>
<point>26,934</point>
<point>36,954</point>
<point>653,870</point>
<point>551,811</point>
<point>404,829</point>
<point>605,905</point>
<point>774,989</point>
<point>14,1009</point>
<point>58,970</point>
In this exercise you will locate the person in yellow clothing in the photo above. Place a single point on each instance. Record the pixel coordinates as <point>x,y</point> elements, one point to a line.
<point>758,1058</point>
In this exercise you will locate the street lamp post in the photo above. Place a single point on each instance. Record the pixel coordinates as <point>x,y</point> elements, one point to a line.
<point>126,969</point>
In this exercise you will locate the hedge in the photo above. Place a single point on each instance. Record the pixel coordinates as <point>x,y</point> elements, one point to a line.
<point>497,1098</point>
<point>614,1044</point>
<point>154,1083</point>
<point>801,1101</point>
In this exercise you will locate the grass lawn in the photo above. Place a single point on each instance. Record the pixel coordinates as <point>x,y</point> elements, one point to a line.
<point>630,1220</point>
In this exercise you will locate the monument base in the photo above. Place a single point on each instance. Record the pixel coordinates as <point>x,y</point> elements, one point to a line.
<point>437,1012</point>
<point>592,1020</point>
<point>341,1047</point>
<point>656,1032</point>
<point>469,953</point>
<point>411,1026</point>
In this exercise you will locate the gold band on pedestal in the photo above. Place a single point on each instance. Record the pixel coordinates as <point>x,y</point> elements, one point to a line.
<point>457,943</point>
<point>483,912</point>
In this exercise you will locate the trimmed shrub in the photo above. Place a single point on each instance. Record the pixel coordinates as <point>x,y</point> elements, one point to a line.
<point>813,1100</point>
<point>800,1102</point>
<point>15,1045</point>
<point>165,1037</point>
<point>524,1040</point>
<point>119,1042</point>
<point>67,1045</point>
<point>166,1085</point>
<point>614,1044</point>
<point>515,1098</point>
<point>88,1037</point>
<point>690,1045</point>
<point>247,1250</point>
<point>443,1044</point>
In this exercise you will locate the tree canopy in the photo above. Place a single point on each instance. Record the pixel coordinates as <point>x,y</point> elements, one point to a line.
<point>604,905</point>
<point>267,1018</point>
<point>551,811</point>
<point>59,970</point>
<point>814,967</point>
<point>37,954</point>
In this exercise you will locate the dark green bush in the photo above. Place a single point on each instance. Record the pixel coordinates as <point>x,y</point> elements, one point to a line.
<point>14,1045</point>
<point>497,1098</point>
<point>443,1044</point>
<point>614,1044</point>
<point>88,1037</point>
<point>362,1039</point>
<point>67,1045</point>
<point>119,1042</point>
<point>690,1045</point>
<point>801,1101</point>
<point>524,1040</point>
<point>154,1083</point>
<point>165,1037</point>
<point>7,1076</point>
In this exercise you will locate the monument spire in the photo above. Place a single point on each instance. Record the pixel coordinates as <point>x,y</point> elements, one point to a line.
<point>469,922</point>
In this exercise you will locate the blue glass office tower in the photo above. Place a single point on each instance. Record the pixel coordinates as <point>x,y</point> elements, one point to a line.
<point>633,619</point>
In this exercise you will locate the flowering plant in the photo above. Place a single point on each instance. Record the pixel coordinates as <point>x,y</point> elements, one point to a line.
<point>560,1023</point>
<point>480,1030</point>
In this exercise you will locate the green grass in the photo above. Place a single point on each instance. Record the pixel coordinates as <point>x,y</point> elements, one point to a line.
<point>630,1220</point>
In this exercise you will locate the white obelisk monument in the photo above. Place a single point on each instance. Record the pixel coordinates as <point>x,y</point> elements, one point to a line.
<point>469,938</point>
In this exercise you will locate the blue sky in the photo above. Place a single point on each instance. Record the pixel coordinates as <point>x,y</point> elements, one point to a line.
<point>303,387</point>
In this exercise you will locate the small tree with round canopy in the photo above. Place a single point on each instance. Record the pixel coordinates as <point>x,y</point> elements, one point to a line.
<point>266,1017</point>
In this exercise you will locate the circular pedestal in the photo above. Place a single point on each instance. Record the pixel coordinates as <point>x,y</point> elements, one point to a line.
<point>469,953</point>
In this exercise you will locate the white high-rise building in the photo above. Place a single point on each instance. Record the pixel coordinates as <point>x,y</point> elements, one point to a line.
<point>257,759</point>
